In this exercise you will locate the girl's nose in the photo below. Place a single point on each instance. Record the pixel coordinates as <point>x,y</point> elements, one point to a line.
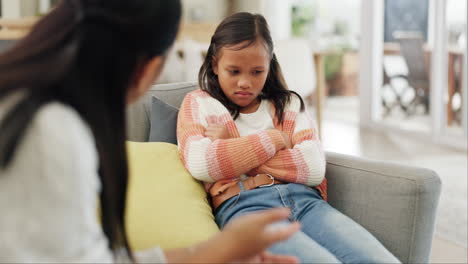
<point>244,83</point>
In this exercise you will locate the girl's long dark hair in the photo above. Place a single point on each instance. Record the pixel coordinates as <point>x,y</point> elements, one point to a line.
<point>249,28</point>
<point>85,54</point>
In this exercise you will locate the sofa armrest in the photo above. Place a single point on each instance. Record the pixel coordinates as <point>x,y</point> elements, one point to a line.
<point>396,203</point>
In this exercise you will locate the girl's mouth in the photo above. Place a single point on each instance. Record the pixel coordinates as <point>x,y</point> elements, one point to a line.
<point>242,94</point>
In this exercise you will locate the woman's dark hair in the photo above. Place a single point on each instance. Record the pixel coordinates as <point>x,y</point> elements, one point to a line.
<point>248,28</point>
<point>85,54</point>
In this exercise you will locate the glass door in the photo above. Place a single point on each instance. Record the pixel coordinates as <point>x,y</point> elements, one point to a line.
<point>454,104</point>
<point>406,62</point>
<point>413,68</point>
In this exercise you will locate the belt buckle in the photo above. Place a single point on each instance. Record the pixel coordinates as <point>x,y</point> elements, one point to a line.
<point>270,184</point>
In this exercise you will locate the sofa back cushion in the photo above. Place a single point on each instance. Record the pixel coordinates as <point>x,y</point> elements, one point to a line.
<point>163,125</point>
<point>139,113</point>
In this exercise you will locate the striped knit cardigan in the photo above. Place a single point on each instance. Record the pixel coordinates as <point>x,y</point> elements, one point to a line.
<point>263,152</point>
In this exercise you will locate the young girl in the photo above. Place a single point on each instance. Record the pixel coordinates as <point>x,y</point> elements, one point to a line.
<point>249,139</point>
<point>63,91</point>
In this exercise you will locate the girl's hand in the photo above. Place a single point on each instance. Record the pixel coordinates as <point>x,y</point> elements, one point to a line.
<point>214,132</point>
<point>287,140</point>
<point>248,236</point>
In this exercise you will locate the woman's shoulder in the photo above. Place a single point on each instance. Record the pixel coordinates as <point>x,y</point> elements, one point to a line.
<point>61,139</point>
<point>54,131</point>
<point>58,129</point>
<point>58,119</point>
<point>52,120</point>
<point>56,110</point>
<point>57,147</point>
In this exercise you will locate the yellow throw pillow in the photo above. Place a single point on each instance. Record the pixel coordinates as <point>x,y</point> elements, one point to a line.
<point>166,206</point>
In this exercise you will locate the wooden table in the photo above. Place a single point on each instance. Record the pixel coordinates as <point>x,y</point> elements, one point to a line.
<point>319,63</point>
<point>320,88</point>
<point>15,28</point>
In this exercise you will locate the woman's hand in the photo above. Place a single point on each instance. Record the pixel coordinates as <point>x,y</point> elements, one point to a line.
<point>248,236</point>
<point>243,240</point>
<point>266,257</point>
<point>214,132</point>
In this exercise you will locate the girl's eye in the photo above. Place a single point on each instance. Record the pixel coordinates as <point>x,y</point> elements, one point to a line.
<point>257,72</point>
<point>233,72</point>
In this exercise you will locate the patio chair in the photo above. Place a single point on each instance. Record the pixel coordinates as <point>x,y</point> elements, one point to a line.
<point>412,50</point>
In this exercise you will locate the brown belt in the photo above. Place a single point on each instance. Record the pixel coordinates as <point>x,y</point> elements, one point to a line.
<point>219,193</point>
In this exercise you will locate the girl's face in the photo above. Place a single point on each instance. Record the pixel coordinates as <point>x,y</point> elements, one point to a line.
<point>242,73</point>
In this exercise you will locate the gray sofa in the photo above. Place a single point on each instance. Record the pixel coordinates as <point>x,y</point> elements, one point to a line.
<point>396,203</point>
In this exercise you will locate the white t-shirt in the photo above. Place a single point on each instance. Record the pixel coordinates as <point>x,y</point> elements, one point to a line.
<point>248,124</point>
<point>257,121</point>
<point>49,195</point>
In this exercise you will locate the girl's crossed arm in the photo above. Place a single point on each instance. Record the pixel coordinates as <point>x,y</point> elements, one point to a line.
<point>210,161</point>
<point>303,163</point>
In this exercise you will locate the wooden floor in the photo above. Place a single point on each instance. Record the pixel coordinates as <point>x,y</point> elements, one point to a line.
<point>444,251</point>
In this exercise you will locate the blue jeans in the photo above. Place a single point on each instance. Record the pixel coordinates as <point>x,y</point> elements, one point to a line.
<point>326,235</point>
